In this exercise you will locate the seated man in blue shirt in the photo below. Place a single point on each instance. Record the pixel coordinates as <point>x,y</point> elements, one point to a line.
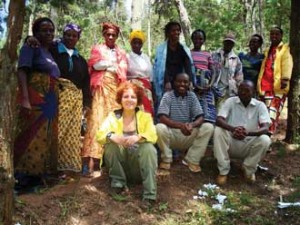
<point>241,132</point>
<point>182,125</point>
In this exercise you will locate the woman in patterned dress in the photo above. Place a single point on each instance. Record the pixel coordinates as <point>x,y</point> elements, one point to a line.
<point>74,97</point>
<point>35,148</point>
<point>204,76</point>
<point>108,68</point>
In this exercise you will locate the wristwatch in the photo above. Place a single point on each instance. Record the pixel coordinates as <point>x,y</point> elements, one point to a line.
<point>108,136</point>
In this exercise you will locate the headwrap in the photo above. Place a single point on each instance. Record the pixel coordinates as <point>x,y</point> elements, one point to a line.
<point>73,26</point>
<point>137,34</point>
<point>108,25</point>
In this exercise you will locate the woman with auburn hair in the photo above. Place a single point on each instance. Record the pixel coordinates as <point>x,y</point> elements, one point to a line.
<point>108,68</point>
<point>128,135</point>
<point>140,68</point>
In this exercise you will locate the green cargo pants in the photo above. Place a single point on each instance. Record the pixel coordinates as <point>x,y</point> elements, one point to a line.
<point>133,166</point>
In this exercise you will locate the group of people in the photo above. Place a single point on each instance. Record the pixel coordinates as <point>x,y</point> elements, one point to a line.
<point>187,97</point>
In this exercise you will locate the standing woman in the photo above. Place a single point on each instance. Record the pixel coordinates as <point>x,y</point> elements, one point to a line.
<point>171,58</point>
<point>108,68</point>
<point>252,60</point>
<point>140,69</point>
<point>274,78</point>
<point>204,76</point>
<point>74,97</point>
<point>35,149</point>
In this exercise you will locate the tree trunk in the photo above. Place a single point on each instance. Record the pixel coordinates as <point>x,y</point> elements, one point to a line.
<point>185,21</point>
<point>137,10</point>
<point>7,108</point>
<point>149,28</point>
<point>260,10</point>
<point>252,8</point>
<point>293,123</point>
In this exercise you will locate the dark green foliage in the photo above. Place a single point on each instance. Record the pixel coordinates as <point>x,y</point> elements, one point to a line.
<point>214,16</point>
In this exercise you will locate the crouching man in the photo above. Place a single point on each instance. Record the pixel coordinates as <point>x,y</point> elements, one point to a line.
<point>241,132</point>
<point>181,125</point>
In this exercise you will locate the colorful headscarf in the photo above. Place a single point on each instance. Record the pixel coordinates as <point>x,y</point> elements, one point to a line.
<point>73,26</point>
<point>137,34</point>
<point>108,25</point>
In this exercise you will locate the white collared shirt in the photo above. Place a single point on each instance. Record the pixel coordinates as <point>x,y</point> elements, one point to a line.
<point>250,117</point>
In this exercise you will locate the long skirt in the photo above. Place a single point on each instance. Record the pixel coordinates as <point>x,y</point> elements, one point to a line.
<point>147,103</point>
<point>103,102</point>
<point>35,149</point>
<point>207,100</point>
<point>69,124</point>
<point>274,103</point>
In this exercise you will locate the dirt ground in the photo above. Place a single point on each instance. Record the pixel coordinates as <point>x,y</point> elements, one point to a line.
<point>86,201</point>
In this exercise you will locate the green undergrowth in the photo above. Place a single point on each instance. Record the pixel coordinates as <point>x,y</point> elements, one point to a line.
<point>295,196</point>
<point>245,209</point>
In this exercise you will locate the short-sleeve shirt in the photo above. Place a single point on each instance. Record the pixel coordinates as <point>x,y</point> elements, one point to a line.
<point>250,117</point>
<point>251,66</point>
<point>38,59</point>
<point>183,109</point>
<point>202,60</point>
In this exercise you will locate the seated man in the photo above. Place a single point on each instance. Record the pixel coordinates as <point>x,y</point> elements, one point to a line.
<point>181,125</point>
<point>241,132</point>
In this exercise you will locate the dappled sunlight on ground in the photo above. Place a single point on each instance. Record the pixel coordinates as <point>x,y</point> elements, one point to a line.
<point>80,200</point>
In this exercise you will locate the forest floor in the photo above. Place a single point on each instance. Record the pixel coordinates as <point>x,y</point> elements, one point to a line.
<point>78,200</point>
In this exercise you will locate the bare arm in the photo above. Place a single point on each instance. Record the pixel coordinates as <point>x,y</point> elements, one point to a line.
<point>221,122</point>
<point>198,122</point>
<point>240,132</point>
<point>32,41</point>
<point>22,76</point>
<point>170,123</point>
<point>185,128</point>
<point>263,129</point>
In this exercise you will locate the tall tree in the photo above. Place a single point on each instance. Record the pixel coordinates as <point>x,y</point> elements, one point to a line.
<point>261,25</point>
<point>185,21</point>
<point>149,46</point>
<point>253,16</point>
<point>137,12</point>
<point>7,108</point>
<point>250,16</point>
<point>293,124</point>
